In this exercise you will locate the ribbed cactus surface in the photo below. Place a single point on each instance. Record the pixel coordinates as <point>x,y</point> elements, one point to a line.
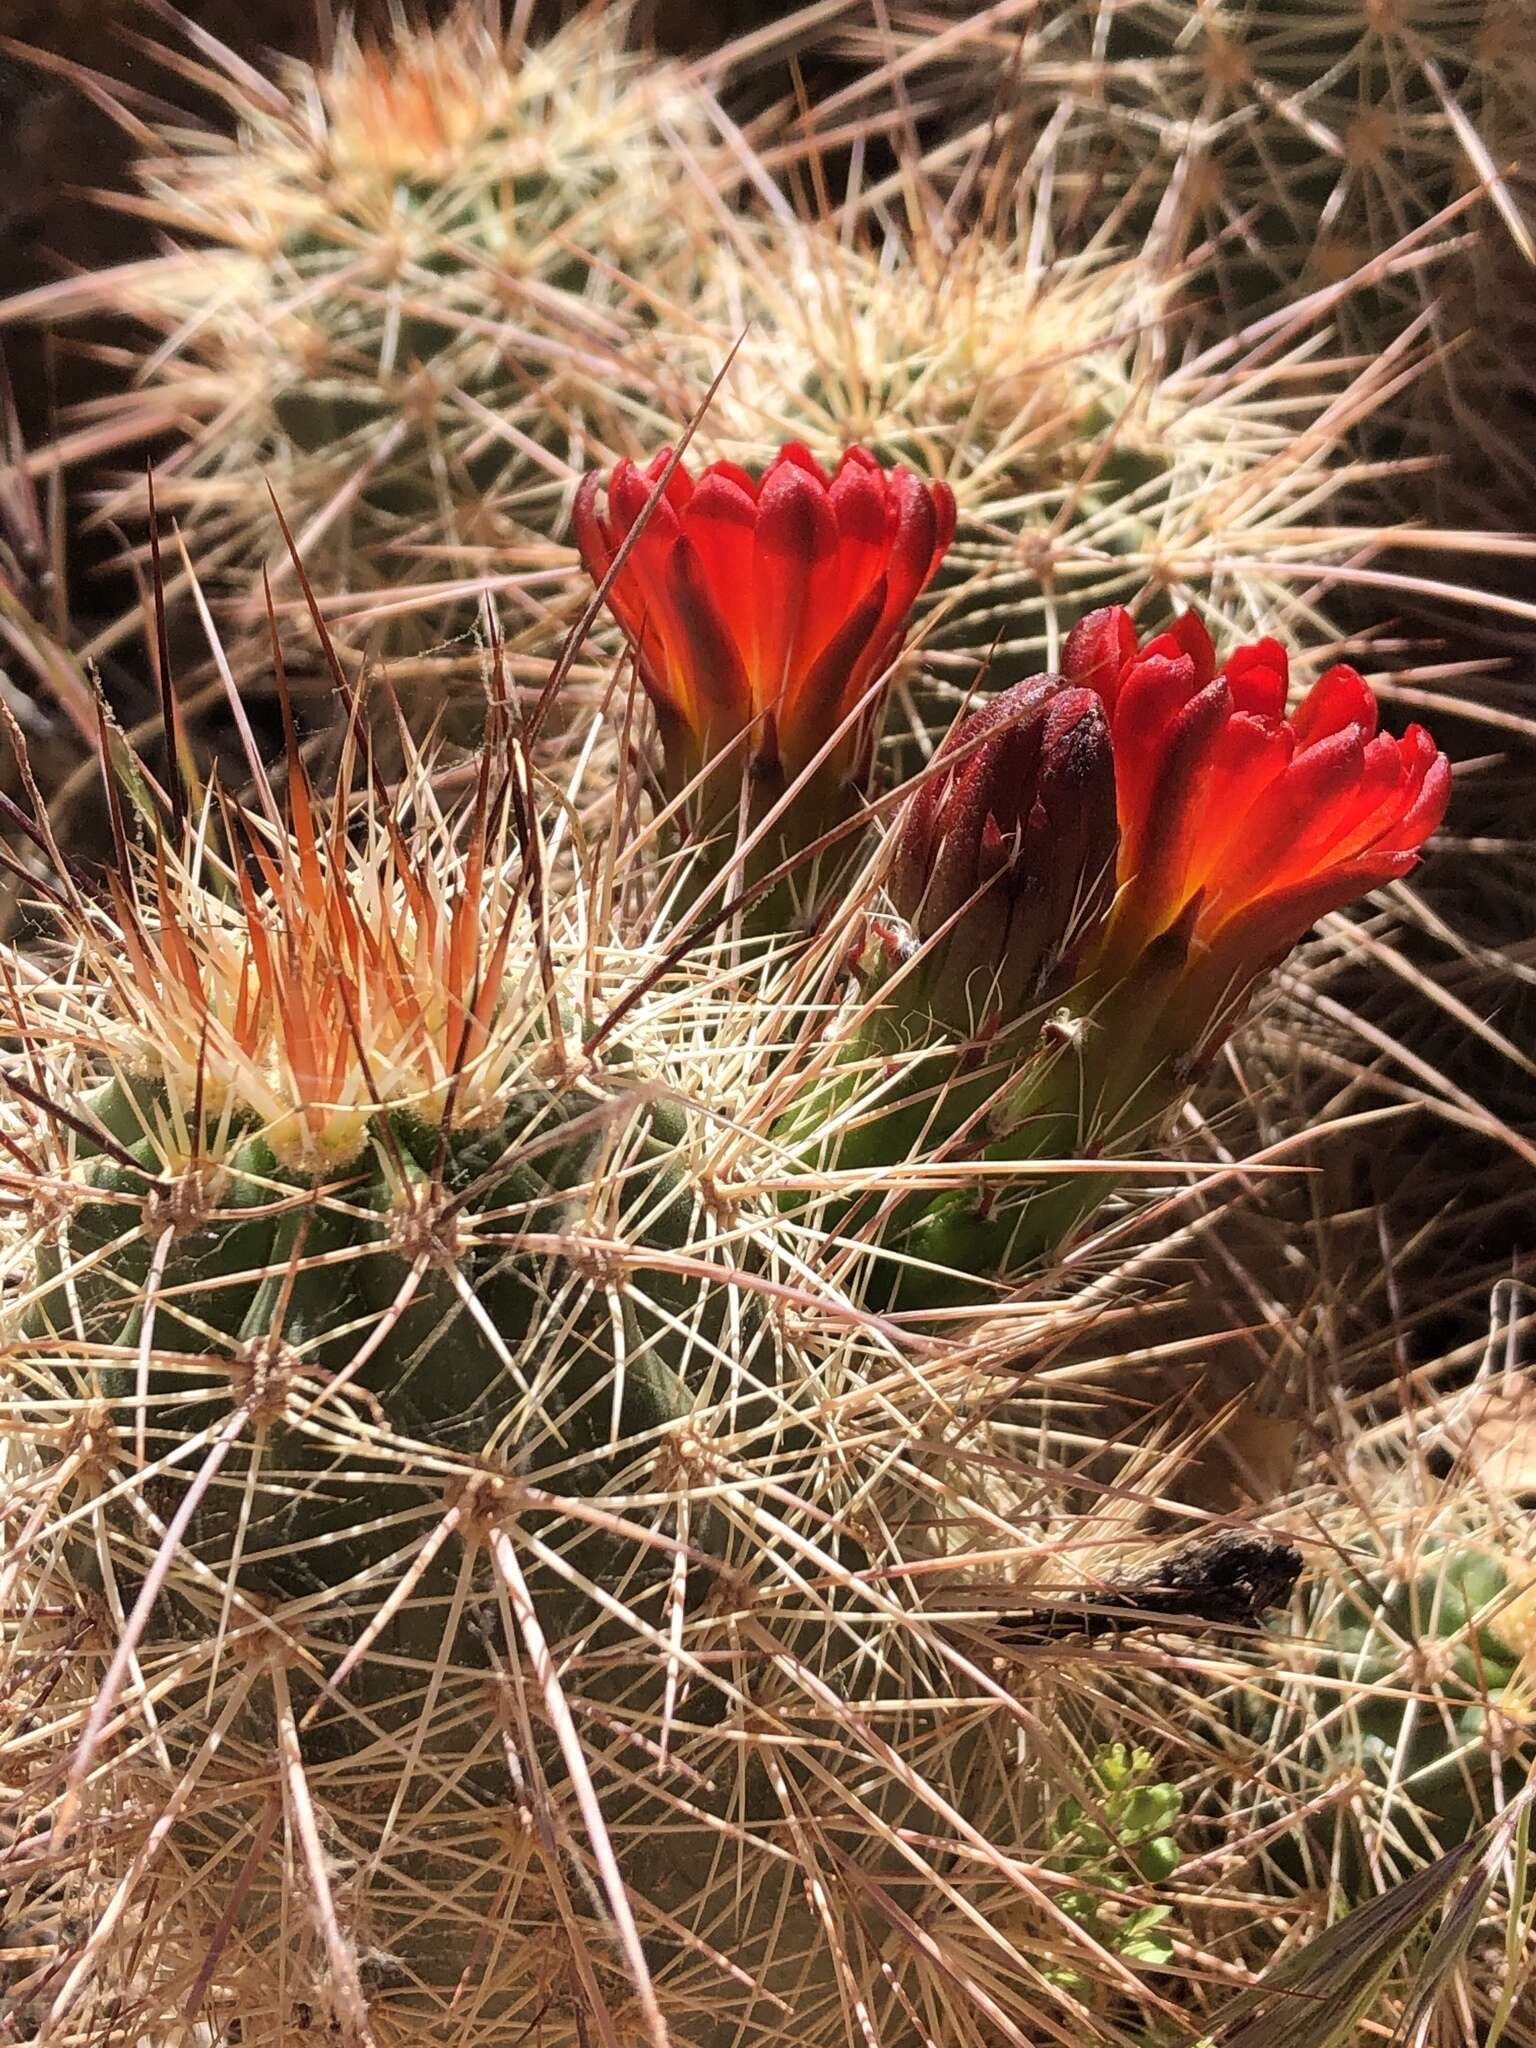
<point>404,294</point>
<point>1406,1709</point>
<point>618,1345</point>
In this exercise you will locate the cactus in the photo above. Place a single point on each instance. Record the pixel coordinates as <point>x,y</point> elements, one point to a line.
<point>497,1544</point>
<point>1399,1715</point>
<point>403,294</point>
<point>1093,458</point>
<point>1281,148</point>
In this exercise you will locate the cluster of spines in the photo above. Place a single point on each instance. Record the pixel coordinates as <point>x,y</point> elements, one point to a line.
<point>559,1985</point>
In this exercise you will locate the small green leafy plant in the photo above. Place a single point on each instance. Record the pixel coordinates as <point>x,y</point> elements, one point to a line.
<point>1121,1842</point>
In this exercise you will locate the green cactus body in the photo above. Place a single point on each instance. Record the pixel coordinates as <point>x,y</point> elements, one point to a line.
<point>1438,1634</point>
<point>458,1434</point>
<point>269,1293</point>
<point>269,1283</point>
<point>411,294</point>
<point>1414,1680</point>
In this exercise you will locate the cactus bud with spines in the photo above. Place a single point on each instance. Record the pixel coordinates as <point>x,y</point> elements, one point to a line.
<point>1005,857</point>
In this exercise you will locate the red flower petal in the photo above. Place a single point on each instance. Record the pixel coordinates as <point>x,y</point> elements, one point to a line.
<point>591,534</point>
<point>860,505</point>
<point>1097,650</point>
<point>1250,752</point>
<point>1156,860</point>
<point>1150,693</point>
<point>629,493</point>
<point>1428,794</point>
<point>826,695</point>
<point>1340,697</point>
<point>1259,677</point>
<point>945,515</point>
<point>795,455</point>
<point>1187,635</point>
<point>721,523</point>
<point>711,677</point>
<point>679,487</point>
<point>796,537</point>
<point>913,552</point>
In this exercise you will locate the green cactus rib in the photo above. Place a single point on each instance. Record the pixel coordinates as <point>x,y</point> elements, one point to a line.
<point>359,1285</point>
<point>337,1314</point>
<point>1405,1679</point>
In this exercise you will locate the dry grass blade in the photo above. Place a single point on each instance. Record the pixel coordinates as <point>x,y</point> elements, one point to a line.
<point>1321,1996</point>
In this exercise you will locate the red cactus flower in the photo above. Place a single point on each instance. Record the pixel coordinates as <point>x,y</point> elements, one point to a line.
<point>765,608</point>
<point>1005,856</point>
<point>1241,825</point>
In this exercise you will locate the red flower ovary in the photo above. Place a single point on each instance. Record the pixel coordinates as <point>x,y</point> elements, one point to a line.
<point>764,606</point>
<point>1238,823</point>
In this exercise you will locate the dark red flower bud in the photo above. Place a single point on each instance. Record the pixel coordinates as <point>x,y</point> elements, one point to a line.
<point>1004,860</point>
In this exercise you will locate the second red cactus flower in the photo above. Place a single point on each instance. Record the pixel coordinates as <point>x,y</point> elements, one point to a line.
<point>1234,825</point>
<point>763,609</point>
<point>1242,824</point>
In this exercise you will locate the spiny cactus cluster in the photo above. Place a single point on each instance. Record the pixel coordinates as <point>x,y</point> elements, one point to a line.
<point>1284,148</point>
<point>660,1378</point>
<point>417,310</point>
<point>403,295</point>
<point>1370,158</point>
<point>487,1450</point>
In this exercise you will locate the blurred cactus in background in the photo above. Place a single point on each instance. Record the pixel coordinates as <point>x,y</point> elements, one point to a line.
<point>43,684</point>
<point>403,295</point>
<point>1275,149</point>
